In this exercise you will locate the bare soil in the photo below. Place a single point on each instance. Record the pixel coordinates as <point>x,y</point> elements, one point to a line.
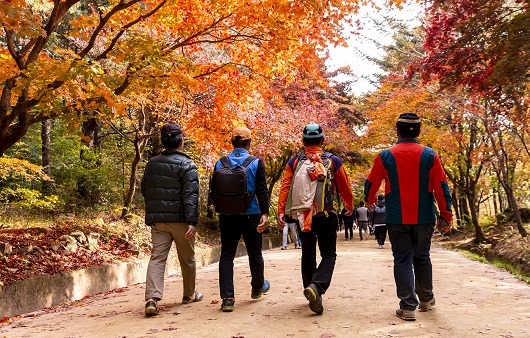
<point>473,299</point>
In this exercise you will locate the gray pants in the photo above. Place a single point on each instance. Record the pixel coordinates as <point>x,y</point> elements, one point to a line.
<point>294,236</point>
<point>162,236</point>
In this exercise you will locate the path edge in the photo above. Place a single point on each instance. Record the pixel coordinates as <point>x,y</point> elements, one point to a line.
<point>42,291</point>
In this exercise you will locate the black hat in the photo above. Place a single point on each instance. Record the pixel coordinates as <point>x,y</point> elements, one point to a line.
<point>170,130</point>
<point>409,118</point>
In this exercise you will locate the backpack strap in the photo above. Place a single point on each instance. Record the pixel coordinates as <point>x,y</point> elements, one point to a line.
<point>248,160</point>
<point>225,162</point>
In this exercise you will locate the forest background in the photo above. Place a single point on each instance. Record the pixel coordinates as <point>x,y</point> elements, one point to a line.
<point>86,85</point>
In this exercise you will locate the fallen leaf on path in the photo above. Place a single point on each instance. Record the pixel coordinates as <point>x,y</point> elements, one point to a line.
<point>215,301</point>
<point>393,323</point>
<point>176,313</point>
<point>327,335</point>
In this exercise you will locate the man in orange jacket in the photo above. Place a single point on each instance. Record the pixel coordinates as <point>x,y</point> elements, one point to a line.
<point>414,177</point>
<point>316,225</point>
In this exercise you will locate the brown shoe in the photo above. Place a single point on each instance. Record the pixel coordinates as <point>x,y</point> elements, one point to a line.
<point>197,297</point>
<point>406,314</point>
<point>426,306</point>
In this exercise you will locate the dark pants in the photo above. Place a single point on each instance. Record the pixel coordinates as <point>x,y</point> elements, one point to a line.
<point>363,226</point>
<point>323,231</point>
<point>348,227</point>
<point>232,228</point>
<point>411,244</point>
<point>380,234</point>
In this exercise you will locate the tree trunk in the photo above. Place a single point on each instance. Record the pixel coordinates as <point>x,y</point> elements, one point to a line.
<point>456,207</point>
<point>495,208</point>
<point>46,154</point>
<point>479,234</point>
<point>513,204</point>
<point>139,145</point>
<point>209,203</point>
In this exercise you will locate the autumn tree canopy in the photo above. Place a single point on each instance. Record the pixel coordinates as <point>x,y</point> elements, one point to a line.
<point>77,58</point>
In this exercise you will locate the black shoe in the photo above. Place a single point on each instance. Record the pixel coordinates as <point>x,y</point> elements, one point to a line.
<point>315,301</point>
<point>256,293</point>
<point>228,305</point>
<point>151,308</point>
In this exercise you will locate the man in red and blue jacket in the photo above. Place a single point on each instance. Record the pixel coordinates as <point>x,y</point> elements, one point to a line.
<point>414,177</point>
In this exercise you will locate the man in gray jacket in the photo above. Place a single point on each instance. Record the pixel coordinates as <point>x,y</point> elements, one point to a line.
<point>170,187</point>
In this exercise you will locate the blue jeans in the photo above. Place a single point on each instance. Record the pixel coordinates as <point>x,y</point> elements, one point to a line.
<point>411,244</point>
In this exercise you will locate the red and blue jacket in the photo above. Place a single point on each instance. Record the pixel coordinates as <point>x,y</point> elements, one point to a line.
<point>414,177</point>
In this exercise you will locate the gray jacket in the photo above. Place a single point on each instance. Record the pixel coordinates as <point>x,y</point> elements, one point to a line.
<point>170,187</point>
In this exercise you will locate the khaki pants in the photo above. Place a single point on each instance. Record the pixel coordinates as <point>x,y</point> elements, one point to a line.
<point>162,236</point>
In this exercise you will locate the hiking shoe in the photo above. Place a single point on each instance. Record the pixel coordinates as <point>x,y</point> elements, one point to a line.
<point>197,297</point>
<point>284,248</point>
<point>256,293</point>
<point>315,300</point>
<point>228,304</point>
<point>151,308</point>
<point>406,314</point>
<point>426,306</point>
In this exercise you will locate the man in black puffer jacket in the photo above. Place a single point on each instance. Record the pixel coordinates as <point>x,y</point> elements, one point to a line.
<point>170,187</point>
<point>378,220</point>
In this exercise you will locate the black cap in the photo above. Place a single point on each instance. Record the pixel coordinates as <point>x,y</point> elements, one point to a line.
<point>409,118</point>
<point>170,130</point>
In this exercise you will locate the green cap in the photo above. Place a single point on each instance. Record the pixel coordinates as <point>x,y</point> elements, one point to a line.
<point>313,130</point>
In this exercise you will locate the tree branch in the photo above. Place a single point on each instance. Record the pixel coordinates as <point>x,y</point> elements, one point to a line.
<point>127,26</point>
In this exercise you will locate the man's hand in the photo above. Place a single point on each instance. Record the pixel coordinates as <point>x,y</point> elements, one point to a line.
<point>371,207</point>
<point>191,232</point>
<point>263,223</point>
<point>442,226</point>
<point>281,221</point>
<point>348,212</point>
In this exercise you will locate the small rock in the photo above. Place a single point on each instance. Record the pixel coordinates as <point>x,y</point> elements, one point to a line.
<point>48,231</point>
<point>6,248</point>
<point>26,249</point>
<point>92,240</point>
<point>79,236</point>
<point>55,246</point>
<point>68,239</point>
<point>69,216</point>
<point>70,247</point>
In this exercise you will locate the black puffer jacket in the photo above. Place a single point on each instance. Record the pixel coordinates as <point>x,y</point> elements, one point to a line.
<point>170,187</point>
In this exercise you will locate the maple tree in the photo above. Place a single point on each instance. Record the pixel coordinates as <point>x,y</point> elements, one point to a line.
<point>76,58</point>
<point>481,48</point>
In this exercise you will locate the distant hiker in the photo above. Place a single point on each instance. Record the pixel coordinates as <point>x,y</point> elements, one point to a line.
<point>170,187</point>
<point>378,220</point>
<point>360,217</point>
<point>306,193</point>
<point>414,177</point>
<point>348,223</point>
<point>240,195</point>
<point>290,223</point>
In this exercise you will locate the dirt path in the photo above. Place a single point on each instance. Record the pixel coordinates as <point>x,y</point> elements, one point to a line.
<point>473,299</point>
